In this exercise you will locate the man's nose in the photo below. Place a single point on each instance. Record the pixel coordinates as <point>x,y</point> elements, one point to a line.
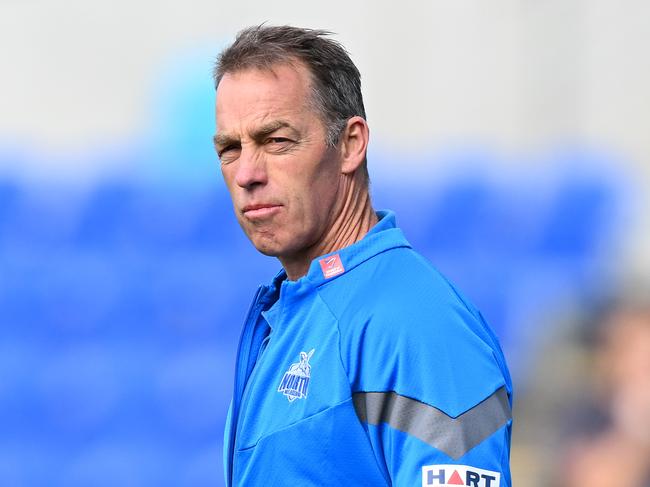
<point>251,169</point>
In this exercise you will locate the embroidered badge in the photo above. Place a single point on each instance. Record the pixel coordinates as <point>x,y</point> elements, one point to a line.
<point>331,266</point>
<point>295,381</point>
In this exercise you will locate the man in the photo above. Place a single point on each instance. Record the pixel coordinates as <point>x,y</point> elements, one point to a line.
<point>359,365</point>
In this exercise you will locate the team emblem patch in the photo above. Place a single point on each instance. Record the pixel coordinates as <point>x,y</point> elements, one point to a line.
<point>455,475</point>
<point>295,381</point>
<point>331,266</point>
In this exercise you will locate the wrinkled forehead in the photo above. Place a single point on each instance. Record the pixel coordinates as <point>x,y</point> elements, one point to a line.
<point>291,75</point>
<point>259,95</point>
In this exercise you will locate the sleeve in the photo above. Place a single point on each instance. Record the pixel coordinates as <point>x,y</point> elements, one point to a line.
<point>434,397</point>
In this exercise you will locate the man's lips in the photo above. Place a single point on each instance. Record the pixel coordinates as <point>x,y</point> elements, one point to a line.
<point>260,210</point>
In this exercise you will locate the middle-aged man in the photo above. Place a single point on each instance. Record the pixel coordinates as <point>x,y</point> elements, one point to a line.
<point>359,364</point>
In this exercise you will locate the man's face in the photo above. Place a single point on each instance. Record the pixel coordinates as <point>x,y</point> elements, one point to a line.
<point>282,178</point>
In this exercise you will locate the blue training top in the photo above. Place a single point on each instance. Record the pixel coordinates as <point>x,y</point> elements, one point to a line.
<point>371,370</point>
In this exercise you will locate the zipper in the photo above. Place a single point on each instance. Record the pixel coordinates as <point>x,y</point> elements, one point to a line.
<point>265,342</point>
<point>247,389</point>
<point>249,386</point>
<point>251,380</point>
<point>243,352</point>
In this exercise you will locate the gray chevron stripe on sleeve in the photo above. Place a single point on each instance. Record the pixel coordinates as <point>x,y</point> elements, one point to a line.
<point>453,436</point>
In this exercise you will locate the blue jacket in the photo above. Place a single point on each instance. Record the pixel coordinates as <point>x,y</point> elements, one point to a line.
<point>371,370</point>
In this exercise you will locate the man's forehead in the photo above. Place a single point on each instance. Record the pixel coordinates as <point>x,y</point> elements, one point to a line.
<point>261,116</point>
<point>289,83</point>
<point>259,97</point>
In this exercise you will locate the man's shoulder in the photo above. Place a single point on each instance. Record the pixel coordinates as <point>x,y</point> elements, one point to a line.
<point>402,318</point>
<point>400,299</point>
<point>397,284</point>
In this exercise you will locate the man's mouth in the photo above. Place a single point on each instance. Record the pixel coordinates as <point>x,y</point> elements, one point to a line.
<point>259,211</point>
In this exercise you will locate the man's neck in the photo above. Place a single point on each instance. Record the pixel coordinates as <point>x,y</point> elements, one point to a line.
<point>352,223</point>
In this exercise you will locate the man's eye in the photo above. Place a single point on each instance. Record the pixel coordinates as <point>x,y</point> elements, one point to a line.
<point>226,150</point>
<point>278,142</point>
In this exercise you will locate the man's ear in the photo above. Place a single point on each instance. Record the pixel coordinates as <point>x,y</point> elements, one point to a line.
<point>354,144</point>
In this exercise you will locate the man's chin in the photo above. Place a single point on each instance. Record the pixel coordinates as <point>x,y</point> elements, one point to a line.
<point>269,252</point>
<point>273,248</point>
<point>270,245</point>
<point>267,247</point>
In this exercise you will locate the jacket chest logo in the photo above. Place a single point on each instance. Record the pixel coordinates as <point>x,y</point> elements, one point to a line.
<point>295,381</point>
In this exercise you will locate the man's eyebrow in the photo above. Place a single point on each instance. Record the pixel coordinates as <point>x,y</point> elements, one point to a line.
<point>269,128</point>
<point>265,130</point>
<point>223,140</point>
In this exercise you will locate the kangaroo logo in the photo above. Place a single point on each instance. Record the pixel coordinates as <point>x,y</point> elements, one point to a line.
<point>295,381</point>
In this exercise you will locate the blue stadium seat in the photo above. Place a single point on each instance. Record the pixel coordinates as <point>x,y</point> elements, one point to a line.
<point>107,219</point>
<point>80,389</point>
<point>194,389</point>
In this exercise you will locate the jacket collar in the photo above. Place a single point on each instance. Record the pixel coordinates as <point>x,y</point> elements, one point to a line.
<point>385,235</point>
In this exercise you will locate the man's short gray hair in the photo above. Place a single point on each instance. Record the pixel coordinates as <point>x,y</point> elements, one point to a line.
<point>336,81</point>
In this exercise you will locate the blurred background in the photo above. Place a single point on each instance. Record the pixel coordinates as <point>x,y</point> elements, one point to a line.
<point>511,137</point>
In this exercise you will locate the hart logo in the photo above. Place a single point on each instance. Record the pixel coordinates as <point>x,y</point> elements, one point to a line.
<point>295,381</point>
<point>331,266</point>
<point>454,475</point>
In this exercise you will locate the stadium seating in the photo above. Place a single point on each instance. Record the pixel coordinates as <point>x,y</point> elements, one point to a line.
<point>121,303</point>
